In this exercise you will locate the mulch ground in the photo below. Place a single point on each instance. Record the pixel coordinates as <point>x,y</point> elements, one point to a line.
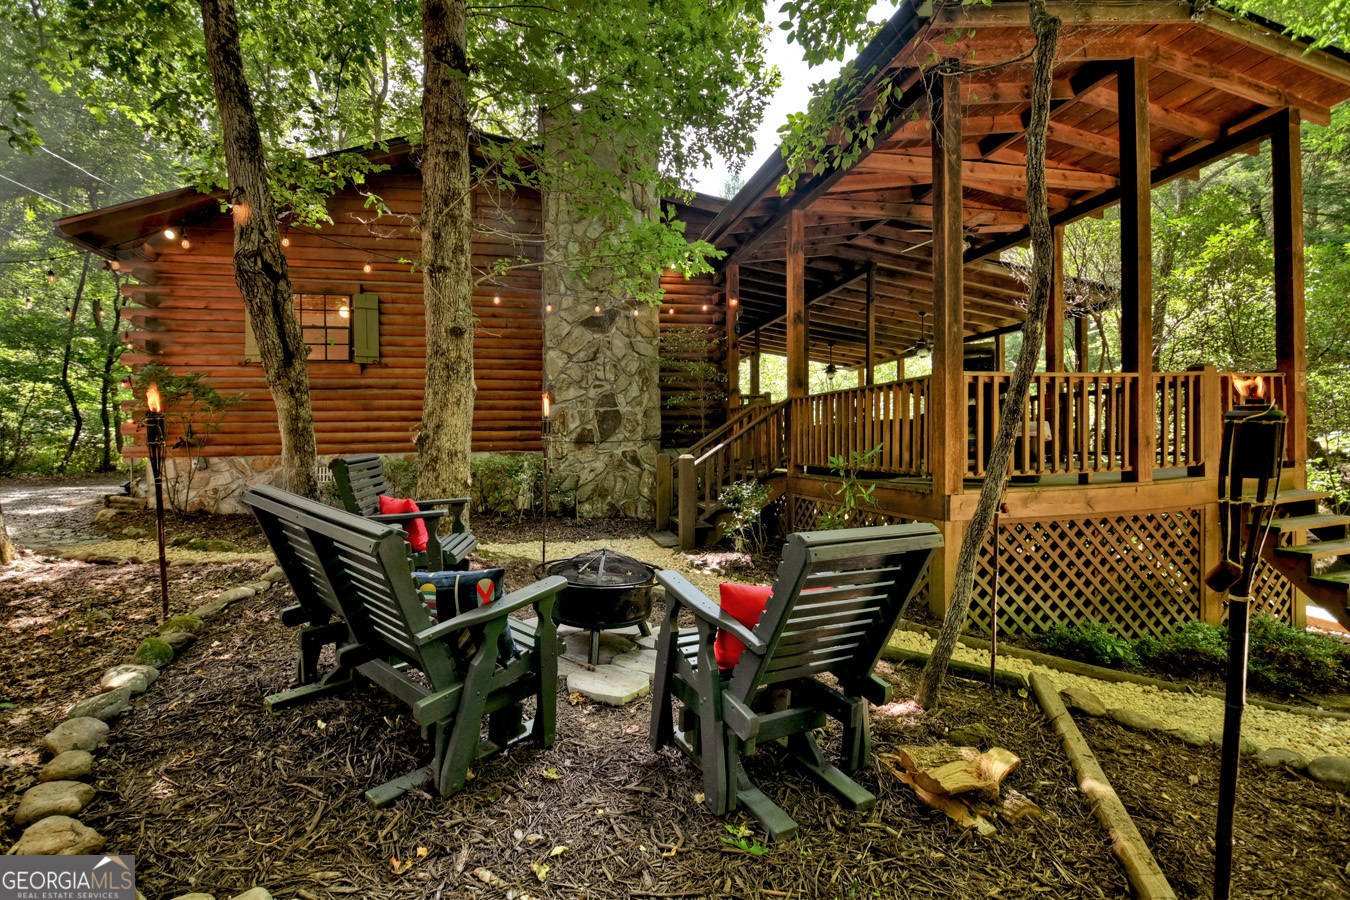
<point>1291,831</point>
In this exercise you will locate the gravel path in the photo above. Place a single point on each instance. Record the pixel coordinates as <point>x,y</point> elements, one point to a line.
<point>1267,727</point>
<point>41,509</point>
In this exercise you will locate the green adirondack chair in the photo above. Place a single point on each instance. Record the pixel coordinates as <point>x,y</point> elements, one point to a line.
<point>837,597</point>
<point>354,590</point>
<point>360,482</point>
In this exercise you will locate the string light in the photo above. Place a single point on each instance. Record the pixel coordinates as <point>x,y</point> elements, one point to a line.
<point>548,307</point>
<point>51,276</point>
<point>597,308</point>
<point>705,307</point>
<point>671,311</point>
<point>185,243</point>
<point>168,234</point>
<point>735,302</point>
<point>286,238</point>
<point>69,312</point>
<point>635,312</point>
<point>496,300</point>
<point>115,265</point>
<point>368,267</point>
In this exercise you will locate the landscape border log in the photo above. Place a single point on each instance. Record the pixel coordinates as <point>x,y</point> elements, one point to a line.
<point>956,667</point>
<point>1126,842</point>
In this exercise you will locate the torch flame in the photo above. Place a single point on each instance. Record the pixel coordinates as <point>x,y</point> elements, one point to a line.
<point>152,400</point>
<point>1249,389</point>
<point>546,406</point>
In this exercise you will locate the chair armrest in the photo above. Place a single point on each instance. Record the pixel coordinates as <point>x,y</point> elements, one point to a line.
<point>497,609</point>
<point>684,593</point>
<point>404,518</point>
<point>457,507</point>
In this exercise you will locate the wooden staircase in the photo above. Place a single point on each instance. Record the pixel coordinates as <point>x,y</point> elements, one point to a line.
<point>751,446</point>
<point>1311,561</point>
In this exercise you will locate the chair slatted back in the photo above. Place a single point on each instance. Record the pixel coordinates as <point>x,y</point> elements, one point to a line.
<point>356,568</point>
<point>360,482</point>
<point>837,597</point>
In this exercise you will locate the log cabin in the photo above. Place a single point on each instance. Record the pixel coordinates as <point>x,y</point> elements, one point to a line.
<point>1111,513</point>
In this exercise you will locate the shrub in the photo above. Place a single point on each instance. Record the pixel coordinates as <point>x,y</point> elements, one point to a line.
<point>1091,642</point>
<point>1192,649</point>
<point>745,500</point>
<point>501,483</point>
<point>1291,659</point>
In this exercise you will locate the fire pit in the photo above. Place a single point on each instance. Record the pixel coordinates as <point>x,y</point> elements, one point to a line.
<point>605,589</point>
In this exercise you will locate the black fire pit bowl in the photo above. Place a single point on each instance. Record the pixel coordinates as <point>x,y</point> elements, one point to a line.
<point>605,589</point>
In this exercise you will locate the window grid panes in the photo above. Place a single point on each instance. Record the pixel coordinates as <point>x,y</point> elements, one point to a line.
<point>326,325</point>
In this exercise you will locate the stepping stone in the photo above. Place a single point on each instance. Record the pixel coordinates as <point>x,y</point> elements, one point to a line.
<point>1135,720</point>
<point>129,675</point>
<point>1083,700</point>
<point>76,734</point>
<point>153,652</point>
<point>1333,771</point>
<point>105,706</point>
<point>611,685</point>
<point>68,766</point>
<point>55,798</point>
<point>1279,756</point>
<point>639,659</point>
<point>58,836</point>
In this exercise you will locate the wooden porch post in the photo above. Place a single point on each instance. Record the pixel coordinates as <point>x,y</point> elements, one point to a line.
<point>869,364</point>
<point>796,306</point>
<point>754,367</point>
<point>1291,339</point>
<point>1080,342</point>
<point>947,402</point>
<point>1136,266</point>
<point>1000,352</point>
<point>1054,316</point>
<point>733,274</point>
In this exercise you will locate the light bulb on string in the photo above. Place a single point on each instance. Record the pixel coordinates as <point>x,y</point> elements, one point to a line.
<point>286,238</point>
<point>548,307</point>
<point>368,267</point>
<point>671,311</point>
<point>635,312</point>
<point>51,276</point>
<point>705,307</point>
<point>115,265</point>
<point>69,312</point>
<point>169,234</point>
<point>496,300</point>
<point>597,309</point>
<point>734,302</point>
<point>185,243</point>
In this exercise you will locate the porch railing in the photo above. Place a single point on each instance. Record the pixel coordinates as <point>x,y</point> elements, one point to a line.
<point>1181,419</point>
<point>889,416</point>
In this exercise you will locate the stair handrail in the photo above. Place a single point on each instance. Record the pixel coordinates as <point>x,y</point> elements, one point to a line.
<point>688,494</point>
<point>720,431</point>
<point>768,414</point>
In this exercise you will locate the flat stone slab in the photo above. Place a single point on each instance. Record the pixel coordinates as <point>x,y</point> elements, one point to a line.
<point>577,644</point>
<point>1279,756</point>
<point>256,893</point>
<point>58,836</point>
<point>639,659</point>
<point>106,706</point>
<point>1135,720</point>
<point>129,675</point>
<point>68,766</point>
<point>611,685</point>
<point>1333,771</point>
<point>76,734</point>
<point>1083,701</point>
<point>55,798</point>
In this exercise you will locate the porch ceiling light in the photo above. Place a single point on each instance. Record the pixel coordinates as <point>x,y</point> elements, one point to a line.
<point>923,348</point>
<point>831,369</point>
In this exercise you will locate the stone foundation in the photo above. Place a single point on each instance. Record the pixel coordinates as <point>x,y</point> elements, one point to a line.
<point>220,486</point>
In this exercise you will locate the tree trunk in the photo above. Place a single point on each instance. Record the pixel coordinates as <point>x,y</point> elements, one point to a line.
<point>1046,29</point>
<point>447,234</point>
<point>260,267</point>
<point>6,548</point>
<point>73,314</point>
<point>107,337</point>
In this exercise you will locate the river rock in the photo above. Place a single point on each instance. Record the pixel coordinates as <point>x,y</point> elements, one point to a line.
<point>1083,700</point>
<point>76,734</point>
<point>211,608</point>
<point>68,766</point>
<point>129,675</point>
<point>1246,746</point>
<point>258,586</point>
<point>135,533</point>
<point>1135,720</point>
<point>1189,736</point>
<point>234,595</point>
<point>189,623</point>
<point>1279,756</point>
<point>195,895</point>
<point>178,640</point>
<point>106,706</point>
<point>1333,771</point>
<point>57,836</point>
<point>105,516</point>
<point>153,652</point>
<point>274,574</point>
<point>54,798</point>
<point>256,893</point>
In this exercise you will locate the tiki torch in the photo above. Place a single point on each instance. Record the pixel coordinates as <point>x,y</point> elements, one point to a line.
<point>156,447</point>
<point>1253,448</point>
<point>545,433</point>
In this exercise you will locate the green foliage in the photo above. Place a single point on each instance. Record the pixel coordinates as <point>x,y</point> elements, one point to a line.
<point>1281,657</point>
<point>745,500</point>
<point>853,494</point>
<point>503,484</point>
<point>698,381</point>
<point>1091,642</point>
<point>742,838</point>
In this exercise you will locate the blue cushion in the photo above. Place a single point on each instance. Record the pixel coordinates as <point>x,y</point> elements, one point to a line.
<point>447,594</point>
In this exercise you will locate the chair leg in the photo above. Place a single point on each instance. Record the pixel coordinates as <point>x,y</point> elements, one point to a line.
<point>771,817</point>
<point>506,725</point>
<point>713,734</point>
<point>851,794</point>
<point>663,725</point>
<point>546,671</point>
<point>857,738</point>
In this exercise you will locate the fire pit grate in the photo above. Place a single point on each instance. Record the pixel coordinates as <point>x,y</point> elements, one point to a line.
<point>605,589</point>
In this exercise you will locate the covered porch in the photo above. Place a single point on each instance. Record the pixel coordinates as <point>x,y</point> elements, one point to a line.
<point>897,258</point>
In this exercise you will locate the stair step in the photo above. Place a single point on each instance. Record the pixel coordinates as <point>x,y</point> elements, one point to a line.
<point>1319,550</point>
<point>1335,580</point>
<point>1318,520</point>
<point>1292,495</point>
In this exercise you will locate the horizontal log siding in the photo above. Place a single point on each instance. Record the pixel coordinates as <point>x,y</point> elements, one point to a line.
<point>192,320</point>
<point>682,307</point>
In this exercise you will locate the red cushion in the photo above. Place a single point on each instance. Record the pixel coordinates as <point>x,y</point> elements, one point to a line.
<point>416,529</point>
<point>745,603</point>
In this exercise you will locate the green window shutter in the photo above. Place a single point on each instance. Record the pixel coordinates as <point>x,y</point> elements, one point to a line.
<point>250,342</point>
<point>366,328</point>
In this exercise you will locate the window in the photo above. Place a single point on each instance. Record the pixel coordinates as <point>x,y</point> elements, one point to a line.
<point>325,325</point>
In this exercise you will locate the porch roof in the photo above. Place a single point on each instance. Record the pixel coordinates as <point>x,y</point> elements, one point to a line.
<point>1215,81</point>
